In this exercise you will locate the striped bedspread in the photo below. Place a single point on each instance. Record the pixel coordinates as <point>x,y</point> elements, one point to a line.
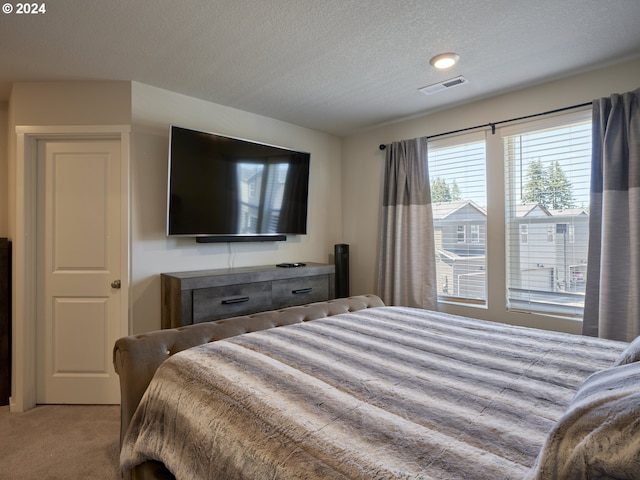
<point>382,393</point>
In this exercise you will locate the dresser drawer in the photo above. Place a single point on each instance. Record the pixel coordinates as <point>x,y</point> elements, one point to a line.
<point>298,291</point>
<point>210,295</point>
<point>230,300</point>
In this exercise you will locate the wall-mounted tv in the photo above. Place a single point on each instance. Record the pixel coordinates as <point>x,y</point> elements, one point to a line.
<point>229,189</point>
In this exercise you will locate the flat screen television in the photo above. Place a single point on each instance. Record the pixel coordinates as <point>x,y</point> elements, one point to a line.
<point>229,189</point>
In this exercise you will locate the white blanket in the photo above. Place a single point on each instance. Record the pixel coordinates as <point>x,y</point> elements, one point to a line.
<point>599,435</point>
<point>380,393</point>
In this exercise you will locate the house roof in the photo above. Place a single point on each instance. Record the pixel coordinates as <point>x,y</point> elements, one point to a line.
<point>335,66</point>
<point>569,212</point>
<point>444,209</point>
<point>449,255</point>
<point>531,209</point>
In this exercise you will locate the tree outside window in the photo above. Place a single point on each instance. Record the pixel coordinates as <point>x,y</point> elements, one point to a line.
<point>548,187</point>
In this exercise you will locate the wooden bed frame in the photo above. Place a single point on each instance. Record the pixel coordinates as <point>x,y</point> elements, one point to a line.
<point>137,357</point>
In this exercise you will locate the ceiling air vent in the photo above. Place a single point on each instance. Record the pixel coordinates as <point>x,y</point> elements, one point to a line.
<point>438,87</point>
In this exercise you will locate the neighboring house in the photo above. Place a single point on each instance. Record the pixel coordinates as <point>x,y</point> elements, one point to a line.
<point>460,231</point>
<point>552,248</point>
<point>460,227</point>
<point>460,240</point>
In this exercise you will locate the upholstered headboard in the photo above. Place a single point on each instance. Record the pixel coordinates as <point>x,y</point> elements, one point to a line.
<point>137,357</point>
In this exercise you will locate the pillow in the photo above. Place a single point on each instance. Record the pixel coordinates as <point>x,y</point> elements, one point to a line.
<point>599,435</point>
<point>630,354</point>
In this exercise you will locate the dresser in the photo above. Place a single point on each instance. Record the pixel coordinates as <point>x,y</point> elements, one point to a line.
<point>5,321</point>
<point>206,295</point>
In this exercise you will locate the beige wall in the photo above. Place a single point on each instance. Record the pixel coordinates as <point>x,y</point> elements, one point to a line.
<point>71,103</point>
<point>363,163</point>
<point>4,170</point>
<point>154,110</point>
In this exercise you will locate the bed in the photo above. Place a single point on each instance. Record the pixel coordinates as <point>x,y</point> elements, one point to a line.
<point>353,389</point>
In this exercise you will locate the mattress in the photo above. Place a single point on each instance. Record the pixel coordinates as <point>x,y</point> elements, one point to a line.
<point>381,393</point>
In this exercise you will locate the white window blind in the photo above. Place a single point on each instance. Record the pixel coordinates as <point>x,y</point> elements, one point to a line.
<point>548,168</point>
<point>457,172</point>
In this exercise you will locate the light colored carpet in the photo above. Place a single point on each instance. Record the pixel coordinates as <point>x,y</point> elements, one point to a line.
<point>56,442</point>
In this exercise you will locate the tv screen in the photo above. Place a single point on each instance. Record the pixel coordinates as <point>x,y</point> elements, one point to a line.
<point>228,186</point>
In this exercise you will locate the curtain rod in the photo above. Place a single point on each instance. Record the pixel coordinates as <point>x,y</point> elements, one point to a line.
<point>493,125</point>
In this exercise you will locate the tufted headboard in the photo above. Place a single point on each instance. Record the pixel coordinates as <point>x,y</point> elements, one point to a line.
<point>137,357</point>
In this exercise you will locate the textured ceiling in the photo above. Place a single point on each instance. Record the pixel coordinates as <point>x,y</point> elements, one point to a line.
<point>337,66</point>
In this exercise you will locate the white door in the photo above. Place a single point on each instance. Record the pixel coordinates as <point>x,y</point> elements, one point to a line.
<point>79,195</point>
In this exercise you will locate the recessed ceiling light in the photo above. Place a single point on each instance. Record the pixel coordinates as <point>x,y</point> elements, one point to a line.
<point>445,60</point>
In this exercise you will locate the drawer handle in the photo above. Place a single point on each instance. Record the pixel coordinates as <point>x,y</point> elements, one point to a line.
<point>301,290</point>
<point>235,300</point>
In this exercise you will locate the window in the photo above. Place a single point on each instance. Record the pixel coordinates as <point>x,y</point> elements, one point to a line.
<point>475,233</point>
<point>461,234</point>
<point>457,171</point>
<point>550,235</point>
<point>547,176</point>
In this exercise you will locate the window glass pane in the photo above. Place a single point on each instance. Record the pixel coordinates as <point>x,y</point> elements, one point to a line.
<point>461,234</point>
<point>457,170</point>
<point>475,233</point>
<point>547,216</point>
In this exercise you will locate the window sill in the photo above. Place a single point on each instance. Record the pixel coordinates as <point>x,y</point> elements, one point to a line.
<point>465,302</point>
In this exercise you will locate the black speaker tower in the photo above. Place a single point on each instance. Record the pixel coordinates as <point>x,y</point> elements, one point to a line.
<point>341,256</point>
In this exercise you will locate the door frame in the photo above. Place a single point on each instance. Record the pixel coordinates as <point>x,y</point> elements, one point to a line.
<point>24,375</point>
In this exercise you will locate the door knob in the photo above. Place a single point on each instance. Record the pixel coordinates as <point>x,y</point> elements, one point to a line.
<point>115,284</point>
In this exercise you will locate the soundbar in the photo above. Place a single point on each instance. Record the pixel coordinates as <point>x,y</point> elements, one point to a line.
<point>240,238</point>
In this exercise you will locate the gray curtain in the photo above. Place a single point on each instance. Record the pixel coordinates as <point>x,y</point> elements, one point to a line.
<point>406,260</point>
<point>612,301</point>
